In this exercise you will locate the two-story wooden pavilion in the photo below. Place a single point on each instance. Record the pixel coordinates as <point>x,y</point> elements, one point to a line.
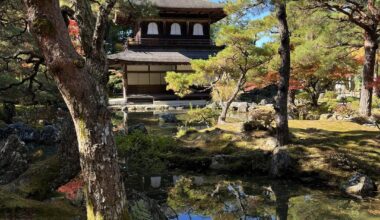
<point>167,42</point>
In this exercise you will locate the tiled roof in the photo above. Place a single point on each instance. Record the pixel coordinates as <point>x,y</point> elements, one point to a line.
<point>161,56</point>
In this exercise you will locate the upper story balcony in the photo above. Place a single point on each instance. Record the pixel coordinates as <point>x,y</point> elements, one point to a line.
<point>170,42</point>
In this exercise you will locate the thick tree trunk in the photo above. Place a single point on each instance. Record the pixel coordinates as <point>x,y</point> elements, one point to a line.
<point>377,86</point>
<point>82,89</point>
<point>283,86</point>
<point>370,47</point>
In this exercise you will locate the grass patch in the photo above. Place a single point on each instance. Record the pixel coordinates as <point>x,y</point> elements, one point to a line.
<point>332,149</point>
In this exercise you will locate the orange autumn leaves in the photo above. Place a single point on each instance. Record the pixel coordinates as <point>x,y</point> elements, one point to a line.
<point>74,35</point>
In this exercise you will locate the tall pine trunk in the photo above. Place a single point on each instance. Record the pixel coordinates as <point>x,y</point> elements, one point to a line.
<point>283,86</point>
<point>87,101</point>
<point>370,47</point>
<point>377,86</point>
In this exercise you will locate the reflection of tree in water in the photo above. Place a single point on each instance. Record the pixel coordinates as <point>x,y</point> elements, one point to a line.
<point>228,200</point>
<point>279,191</point>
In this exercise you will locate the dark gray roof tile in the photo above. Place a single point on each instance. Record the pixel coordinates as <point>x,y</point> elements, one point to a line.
<point>159,56</point>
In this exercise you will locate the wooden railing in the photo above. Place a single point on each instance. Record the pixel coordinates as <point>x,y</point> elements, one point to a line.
<point>170,42</point>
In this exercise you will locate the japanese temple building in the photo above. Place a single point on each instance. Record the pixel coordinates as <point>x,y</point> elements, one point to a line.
<point>168,42</point>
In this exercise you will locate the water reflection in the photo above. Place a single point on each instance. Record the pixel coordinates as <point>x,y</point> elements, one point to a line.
<point>227,198</point>
<point>220,198</point>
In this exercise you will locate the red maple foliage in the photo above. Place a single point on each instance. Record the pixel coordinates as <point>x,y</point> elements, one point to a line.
<point>74,35</point>
<point>72,188</point>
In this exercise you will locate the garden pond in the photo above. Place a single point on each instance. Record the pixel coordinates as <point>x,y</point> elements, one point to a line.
<point>198,196</point>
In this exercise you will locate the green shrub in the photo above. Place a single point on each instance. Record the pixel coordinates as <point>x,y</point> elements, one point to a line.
<point>330,95</point>
<point>303,97</point>
<point>182,131</point>
<point>143,152</point>
<point>205,116</point>
<point>260,118</point>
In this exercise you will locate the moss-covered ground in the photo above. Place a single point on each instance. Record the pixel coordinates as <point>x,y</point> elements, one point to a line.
<point>13,206</point>
<point>331,150</point>
<point>336,149</point>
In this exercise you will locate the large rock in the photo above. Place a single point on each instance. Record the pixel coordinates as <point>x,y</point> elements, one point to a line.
<point>360,185</point>
<point>168,118</point>
<point>23,131</point>
<point>50,135</point>
<point>13,159</point>
<point>263,102</point>
<point>138,128</point>
<point>281,162</point>
<point>252,106</point>
<point>240,106</point>
<point>270,144</point>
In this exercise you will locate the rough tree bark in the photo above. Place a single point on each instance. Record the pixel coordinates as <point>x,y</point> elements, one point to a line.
<point>370,48</point>
<point>81,86</point>
<point>283,86</point>
<point>377,86</point>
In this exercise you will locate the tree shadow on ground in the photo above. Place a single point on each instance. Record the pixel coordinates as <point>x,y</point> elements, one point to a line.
<point>347,151</point>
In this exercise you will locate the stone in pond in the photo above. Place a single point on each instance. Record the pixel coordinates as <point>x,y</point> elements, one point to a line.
<point>168,118</point>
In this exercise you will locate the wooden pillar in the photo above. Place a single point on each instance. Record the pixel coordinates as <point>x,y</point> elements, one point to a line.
<point>125,84</point>
<point>164,29</point>
<point>188,28</point>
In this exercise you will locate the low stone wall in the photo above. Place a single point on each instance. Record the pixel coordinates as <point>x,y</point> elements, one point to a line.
<point>159,105</point>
